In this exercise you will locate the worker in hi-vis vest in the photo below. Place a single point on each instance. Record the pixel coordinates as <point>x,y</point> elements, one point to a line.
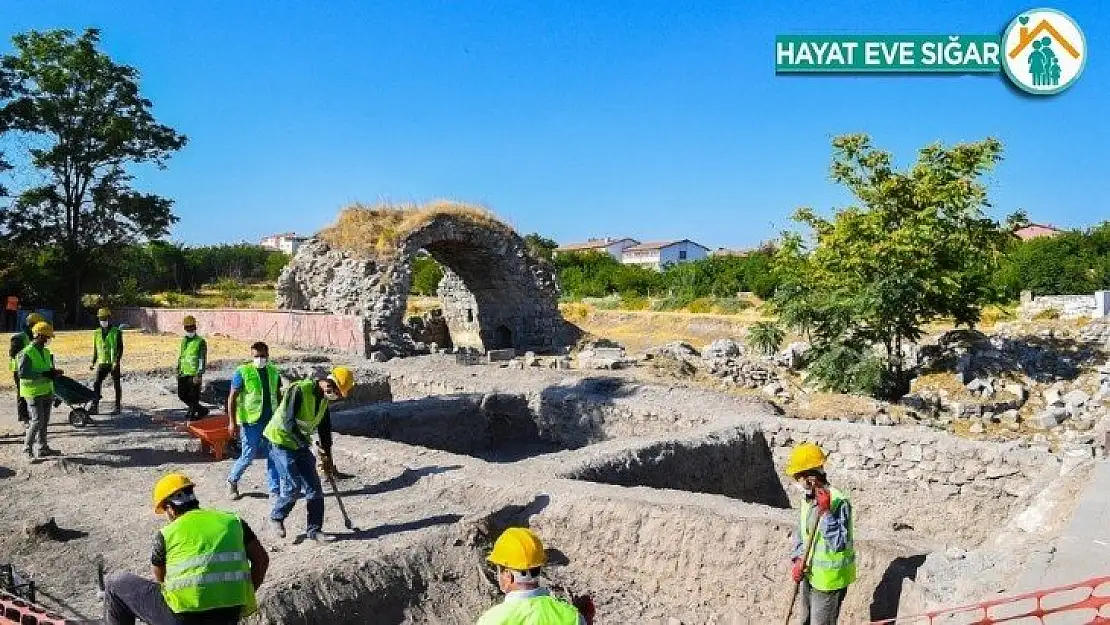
<point>255,394</point>
<point>191,359</point>
<point>35,365</point>
<point>518,555</point>
<point>824,556</point>
<point>107,353</point>
<point>303,411</point>
<point>207,565</point>
<point>19,341</point>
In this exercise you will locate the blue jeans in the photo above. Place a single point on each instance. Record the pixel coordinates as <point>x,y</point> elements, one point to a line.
<point>254,446</point>
<point>298,468</point>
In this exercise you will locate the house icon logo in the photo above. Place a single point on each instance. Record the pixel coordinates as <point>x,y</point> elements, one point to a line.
<point>1044,51</point>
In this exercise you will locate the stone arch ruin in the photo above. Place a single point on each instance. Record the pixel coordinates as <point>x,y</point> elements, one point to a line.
<point>494,293</point>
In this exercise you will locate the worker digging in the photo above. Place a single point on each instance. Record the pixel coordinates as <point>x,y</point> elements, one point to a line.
<point>824,556</point>
<point>107,354</point>
<point>304,411</point>
<point>207,565</point>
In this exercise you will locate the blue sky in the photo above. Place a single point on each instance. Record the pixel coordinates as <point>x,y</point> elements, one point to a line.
<point>653,119</point>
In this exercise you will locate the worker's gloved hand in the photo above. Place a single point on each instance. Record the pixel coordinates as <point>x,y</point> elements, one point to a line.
<point>823,499</point>
<point>797,571</point>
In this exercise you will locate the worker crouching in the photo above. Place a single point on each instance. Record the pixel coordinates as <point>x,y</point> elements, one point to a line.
<point>518,555</point>
<point>824,556</point>
<point>207,565</point>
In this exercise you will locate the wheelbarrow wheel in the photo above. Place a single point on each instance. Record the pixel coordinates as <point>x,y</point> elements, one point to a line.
<point>79,417</point>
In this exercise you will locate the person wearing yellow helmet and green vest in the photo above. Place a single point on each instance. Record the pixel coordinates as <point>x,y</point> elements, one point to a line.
<point>826,517</point>
<point>35,365</point>
<point>107,353</point>
<point>255,393</point>
<point>518,555</point>
<point>191,359</point>
<point>302,412</point>
<point>20,341</point>
<point>206,563</point>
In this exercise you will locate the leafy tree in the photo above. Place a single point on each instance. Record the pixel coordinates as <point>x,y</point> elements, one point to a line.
<point>275,263</point>
<point>89,124</point>
<point>426,274</point>
<point>918,246</point>
<point>540,246</point>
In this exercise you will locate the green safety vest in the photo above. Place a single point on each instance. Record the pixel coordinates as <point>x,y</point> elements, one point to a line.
<point>829,570</point>
<point>541,610</point>
<point>248,404</point>
<point>107,347</point>
<point>206,563</point>
<point>307,420</point>
<point>188,359</point>
<point>41,362</point>
<point>24,341</point>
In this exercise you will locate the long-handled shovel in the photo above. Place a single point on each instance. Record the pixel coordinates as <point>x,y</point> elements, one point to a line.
<point>339,500</point>
<point>805,565</point>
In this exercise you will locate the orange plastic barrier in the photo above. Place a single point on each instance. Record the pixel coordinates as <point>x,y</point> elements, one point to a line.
<point>1088,599</point>
<point>212,432</point>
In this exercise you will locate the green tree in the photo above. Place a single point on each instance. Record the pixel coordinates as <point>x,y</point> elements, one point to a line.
<point>275,263</point>
<point>540,246</point>
<point>89,124</point>
<point>918,246</point>
<point>426,274</point>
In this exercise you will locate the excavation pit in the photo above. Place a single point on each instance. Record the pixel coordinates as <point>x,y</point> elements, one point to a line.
<point>738,465</point>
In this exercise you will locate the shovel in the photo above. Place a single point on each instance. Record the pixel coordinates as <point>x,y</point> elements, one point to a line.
<point>339,500</point>
<point>805,565</point>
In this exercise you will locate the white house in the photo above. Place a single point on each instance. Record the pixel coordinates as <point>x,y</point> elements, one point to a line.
<point>613,247</point>
<point>287,242</point>
<point>659,254</point>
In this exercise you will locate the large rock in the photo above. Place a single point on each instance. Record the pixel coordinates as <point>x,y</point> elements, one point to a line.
<point>722,348</point>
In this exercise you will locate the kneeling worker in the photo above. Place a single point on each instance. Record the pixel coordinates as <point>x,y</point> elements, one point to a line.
<point>207,565</point>
<point>304,411</point>
<point>518,555</point>
<point>825,572</point>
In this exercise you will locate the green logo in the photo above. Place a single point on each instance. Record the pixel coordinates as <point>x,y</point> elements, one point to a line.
<point>1045,51</point>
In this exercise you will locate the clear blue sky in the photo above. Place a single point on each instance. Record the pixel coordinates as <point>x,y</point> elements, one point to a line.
<point>652,119</point>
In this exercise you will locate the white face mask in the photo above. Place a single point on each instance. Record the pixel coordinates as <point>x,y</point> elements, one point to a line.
<point>801,486</point>
<point>190,334</point>
<point>103,323</point>
<point>260,362</point>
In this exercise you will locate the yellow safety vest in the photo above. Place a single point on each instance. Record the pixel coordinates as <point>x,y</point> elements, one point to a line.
<point>107,347</point>
<point>206,563</point>
<point>248,405</point>
<point>307,420</point>
<point>188,360</point>
<point>41,361</point>
<point>829,570</point>
<point>540,610</point>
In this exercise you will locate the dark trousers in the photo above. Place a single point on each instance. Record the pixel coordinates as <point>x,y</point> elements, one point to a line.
<point>820,607</point>
<point>21,404</point>
<point>188,391</point>
<point>298,467</point>
<point>103,371</point>
<point>129,597</point>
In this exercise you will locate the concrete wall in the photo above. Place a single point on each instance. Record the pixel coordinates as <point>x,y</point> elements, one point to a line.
<point>1069,306</point>
<point>304,330</point>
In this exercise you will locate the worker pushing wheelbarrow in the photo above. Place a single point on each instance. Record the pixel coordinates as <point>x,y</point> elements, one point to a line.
<point>77,396</point>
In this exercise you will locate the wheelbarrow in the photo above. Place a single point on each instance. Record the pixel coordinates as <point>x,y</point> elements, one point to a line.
<point>212,433</point>
<point>77,397</point>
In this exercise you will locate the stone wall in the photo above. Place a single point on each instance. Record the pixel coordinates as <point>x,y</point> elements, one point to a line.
<point>303,330</point>
<point>1096,305</point>
<point>498,295</point>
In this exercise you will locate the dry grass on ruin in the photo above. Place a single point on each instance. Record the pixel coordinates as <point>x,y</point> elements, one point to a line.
<point>378,230</point>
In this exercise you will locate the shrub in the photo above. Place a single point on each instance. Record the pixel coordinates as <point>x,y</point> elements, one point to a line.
<point>701,305</point>
<point>233,291</point>
<point>730,305</point>
<point>1047,314</point>
<point>575,311</point>
<point>766,337</point>
<point>632,301</point>
<point>846,369</point>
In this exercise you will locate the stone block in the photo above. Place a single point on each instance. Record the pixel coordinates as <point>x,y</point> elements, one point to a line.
<point>500,355</point>
<point>912,452</point>
<point>1051,417</point>
<point>1020,391</point>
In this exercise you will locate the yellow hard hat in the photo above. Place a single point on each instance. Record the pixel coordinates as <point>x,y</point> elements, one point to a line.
<point>519,549</point>
<point>42,329</point>
<point>103,313</point>
<point>189,320</point>
<point>168,485</point>
<point>805,457</point>
<point>33,319</point>
<point>344,380</point>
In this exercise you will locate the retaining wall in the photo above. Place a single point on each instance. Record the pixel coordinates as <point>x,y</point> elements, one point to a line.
<point>1096,305</point>
<point>300,329</point>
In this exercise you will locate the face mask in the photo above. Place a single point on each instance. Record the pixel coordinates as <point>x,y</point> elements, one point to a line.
<point>801,486</point>
<point>331,395</point>
<point>104,324</point>
<point>260,362</point>
<point>190,334</point>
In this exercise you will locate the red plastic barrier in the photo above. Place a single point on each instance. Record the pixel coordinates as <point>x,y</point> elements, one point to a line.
<point>1090,597</point>
<point>16,611</point>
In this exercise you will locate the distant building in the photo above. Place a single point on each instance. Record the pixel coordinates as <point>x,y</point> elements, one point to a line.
<point>287,242</point>
<point>724,251</point>
<point>659,254</point>
<point>1036,231</point>
<point>613,247</point>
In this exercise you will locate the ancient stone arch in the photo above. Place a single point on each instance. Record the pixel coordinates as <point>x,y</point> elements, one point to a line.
<point>495,294</point>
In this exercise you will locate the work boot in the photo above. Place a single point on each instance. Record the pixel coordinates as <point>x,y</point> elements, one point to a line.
<point>29,456</point>
<point>47,451</point>
<point>94,408</point>
<point>233,490</point>
<point>320,537</point>
<point>278,528</point>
